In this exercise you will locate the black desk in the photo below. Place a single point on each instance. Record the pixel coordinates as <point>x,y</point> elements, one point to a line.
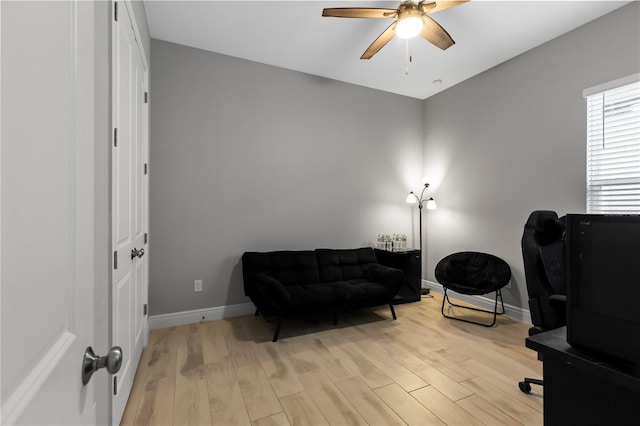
<point>409,262</point>
<point>583,389</point>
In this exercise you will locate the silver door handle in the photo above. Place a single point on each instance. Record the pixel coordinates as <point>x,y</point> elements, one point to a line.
<point>92,363</point>
<point>137,253</point>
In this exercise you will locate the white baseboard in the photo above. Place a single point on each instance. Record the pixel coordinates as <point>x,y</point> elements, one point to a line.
<point>513,312</point>
<point>230,311</point>
<point>192,317</point>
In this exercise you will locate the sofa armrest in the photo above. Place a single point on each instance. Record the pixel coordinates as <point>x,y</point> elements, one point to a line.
<point>273,290</point>
<point>389,277</point>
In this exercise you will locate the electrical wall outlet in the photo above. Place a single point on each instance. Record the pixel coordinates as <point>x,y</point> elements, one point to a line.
<point>197,285</point>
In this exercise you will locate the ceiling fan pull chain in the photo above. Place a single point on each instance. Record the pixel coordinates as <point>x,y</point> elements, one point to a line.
<point>410,54</point>
<point>407,57</point>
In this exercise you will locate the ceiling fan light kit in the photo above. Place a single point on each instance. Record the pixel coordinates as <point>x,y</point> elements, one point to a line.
<point>411,19</point>
<point>409,27</point>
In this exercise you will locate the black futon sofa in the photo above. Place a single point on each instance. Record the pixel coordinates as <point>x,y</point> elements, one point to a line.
<point>289,283</point>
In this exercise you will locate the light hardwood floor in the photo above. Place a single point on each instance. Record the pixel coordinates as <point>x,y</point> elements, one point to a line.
<point>421,369</point>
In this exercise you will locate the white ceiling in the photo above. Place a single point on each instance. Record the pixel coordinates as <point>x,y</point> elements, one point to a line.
<point>294,35</point>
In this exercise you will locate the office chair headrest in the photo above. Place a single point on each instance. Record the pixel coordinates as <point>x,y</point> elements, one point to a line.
<point>546,226</point>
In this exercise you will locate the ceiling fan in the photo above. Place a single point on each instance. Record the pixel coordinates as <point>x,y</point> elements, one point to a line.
<point>411,19</point>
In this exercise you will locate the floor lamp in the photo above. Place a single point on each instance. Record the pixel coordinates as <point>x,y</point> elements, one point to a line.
<point>430,204</point>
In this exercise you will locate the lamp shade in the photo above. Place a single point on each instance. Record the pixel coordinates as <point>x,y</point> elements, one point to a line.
<point>411,198</point>
<point>431,204</point>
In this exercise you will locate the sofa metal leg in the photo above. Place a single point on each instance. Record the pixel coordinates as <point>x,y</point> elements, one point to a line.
<point>393,311</point>
<point>275,336</point>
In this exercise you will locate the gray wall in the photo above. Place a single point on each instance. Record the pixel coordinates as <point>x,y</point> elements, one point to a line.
<point>512,140</point>
<point>246,156</point>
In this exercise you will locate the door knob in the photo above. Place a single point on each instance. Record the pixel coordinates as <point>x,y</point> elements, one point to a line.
<point>92,363</point>
<point>137,253</point>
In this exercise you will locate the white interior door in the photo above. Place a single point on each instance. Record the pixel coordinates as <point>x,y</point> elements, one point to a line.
<point>129,201</point>
<point>47,214</point>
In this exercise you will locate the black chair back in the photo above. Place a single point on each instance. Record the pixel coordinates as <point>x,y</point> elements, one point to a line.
<point>543,256</point>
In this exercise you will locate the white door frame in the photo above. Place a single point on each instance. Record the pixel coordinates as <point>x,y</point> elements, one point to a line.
<point>123,7</point>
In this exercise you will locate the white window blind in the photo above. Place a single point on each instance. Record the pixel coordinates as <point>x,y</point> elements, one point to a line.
<point>613,150</point>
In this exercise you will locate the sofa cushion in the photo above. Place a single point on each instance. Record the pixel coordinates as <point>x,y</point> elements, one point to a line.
<point>314,296</point>
<point>346,264</point>
<point>288,267</point>
<point>359,290</point>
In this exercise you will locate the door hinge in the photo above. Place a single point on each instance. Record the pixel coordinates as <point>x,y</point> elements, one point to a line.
<point>115,385</point>
<point>146,168</point>
<point>115,260</point>
<point>146,97</point>
<point>115,11</point>
<point>145,309</point>
<point>115,136</point>
<point>145,237</point>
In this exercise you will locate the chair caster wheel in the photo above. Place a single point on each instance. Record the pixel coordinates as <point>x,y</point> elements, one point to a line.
<point>524,387</point>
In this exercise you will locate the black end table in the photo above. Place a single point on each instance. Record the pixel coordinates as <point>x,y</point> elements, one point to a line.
<point>409,262</point>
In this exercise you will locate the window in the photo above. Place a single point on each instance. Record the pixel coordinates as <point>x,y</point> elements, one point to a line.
<point>613,147</point>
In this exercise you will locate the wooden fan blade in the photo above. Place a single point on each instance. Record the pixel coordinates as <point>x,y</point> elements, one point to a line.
<point>359,12</point>
<point>435,34</point>
<point>379,43</point>
<point>440,5</point>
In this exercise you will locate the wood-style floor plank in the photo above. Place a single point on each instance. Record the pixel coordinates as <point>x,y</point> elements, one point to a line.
<point>505,401</point>
<point>447,411</point>
<point>369,370</point>
<point>279,370</point>
<point>226,402</point>
<point>161,360</point>
<point>368,404</point>
<point>279,419</point>
<point>191,405</point>
<point>189,358</point>
<point>157,403</point>
<point>406,406</point>
<point>485,412</point>
<point>301,410</point>
<point>335,407</point>
<point>256,390</point>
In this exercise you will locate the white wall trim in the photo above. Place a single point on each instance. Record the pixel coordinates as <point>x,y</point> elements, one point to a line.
<point>229,311</point>
<point>611,85</point>
<point>514,312</point>
<point>209,314</point>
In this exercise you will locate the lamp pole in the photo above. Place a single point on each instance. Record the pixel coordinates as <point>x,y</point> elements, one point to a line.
<point>430,203</point>
<point>412,198</point>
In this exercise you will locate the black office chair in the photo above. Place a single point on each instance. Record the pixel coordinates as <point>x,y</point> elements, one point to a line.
<point>543,256</point>
<point>473,273</point>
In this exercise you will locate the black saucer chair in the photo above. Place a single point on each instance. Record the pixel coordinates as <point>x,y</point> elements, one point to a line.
<point>473,273</point>
<point>543,255</point>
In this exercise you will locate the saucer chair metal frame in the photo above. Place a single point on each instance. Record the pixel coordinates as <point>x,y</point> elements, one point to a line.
<point>473,273</point>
